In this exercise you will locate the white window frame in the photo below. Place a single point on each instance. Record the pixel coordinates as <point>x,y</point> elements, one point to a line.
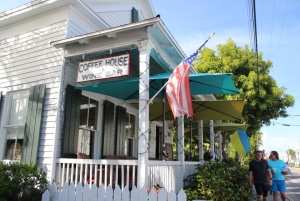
<point>98,134</point>
<point>4,121</point>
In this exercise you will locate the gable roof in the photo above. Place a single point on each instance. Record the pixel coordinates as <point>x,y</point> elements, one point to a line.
<point>37,7</point>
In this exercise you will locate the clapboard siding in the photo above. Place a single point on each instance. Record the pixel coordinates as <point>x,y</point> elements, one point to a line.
<point>28,60</point>
<point>34,56</point>
<point>22,74</point>
<point>33,36</point>
<point>46,142</point>
<point>30,46</point>
<point>33,41</point>
<point>47,67</point>
<point>37,22</point>
<point>51,77</point>
<point>49,118</point>
<point>48,136</point>
<point>32,73</point>
<point>79,24</point>
<point>117,18</point>
<point>31,53</point>
<point>49,62</point>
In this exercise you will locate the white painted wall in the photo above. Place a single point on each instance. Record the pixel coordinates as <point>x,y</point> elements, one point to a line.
<point>78,24</point>
<point>30,60</point>
<point>116,12</point>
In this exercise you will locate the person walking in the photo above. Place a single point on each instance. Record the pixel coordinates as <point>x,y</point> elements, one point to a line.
<point>258,171</point>
<point>278,182</point>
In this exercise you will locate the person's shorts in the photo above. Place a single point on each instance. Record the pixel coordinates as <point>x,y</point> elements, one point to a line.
<point>278,185</point>
<point>261,189</point>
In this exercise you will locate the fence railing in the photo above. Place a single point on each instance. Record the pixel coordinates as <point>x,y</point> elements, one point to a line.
<point>169,174</point>
<point>93,193</point>
<point>91,171</point>
<point>166,173</point>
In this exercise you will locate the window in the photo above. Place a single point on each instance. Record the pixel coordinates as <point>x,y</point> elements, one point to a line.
<point>15,124</point>
<point>88,124</point>
<point>130,134</point>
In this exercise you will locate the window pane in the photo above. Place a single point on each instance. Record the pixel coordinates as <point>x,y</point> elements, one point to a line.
<point>13,112</point>
<point>84,111</point>
<point>13,149</point>
<point>22,110</point>
<point>132,123</point>
<point>127,128</point>
<point>18,108</point>
<point>93,111</point>
<point>12,132</point>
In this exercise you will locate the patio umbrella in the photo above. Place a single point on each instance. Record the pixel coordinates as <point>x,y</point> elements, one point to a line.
<point>200,83</point>
<point>203,110</point>
<point>222,126</point>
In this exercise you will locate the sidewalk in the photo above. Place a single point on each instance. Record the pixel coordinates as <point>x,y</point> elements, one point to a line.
<point>292,192</point>
<point>289,198</point>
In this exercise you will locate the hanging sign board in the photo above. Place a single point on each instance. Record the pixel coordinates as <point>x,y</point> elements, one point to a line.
<point>103,68</point>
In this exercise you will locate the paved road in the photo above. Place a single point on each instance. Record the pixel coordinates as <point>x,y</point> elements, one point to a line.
<point>292,186</point>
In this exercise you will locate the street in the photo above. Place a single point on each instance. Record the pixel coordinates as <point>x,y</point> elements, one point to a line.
<point>293,185</point>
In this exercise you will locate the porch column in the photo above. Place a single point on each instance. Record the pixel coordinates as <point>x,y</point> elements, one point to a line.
<point>200,138</point>
<point>180,144</point>
<point>143,138</point>
<point>212,139</point>
<point>220,140</point>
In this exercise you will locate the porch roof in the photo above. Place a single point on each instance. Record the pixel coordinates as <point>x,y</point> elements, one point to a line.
<point>156,32</point>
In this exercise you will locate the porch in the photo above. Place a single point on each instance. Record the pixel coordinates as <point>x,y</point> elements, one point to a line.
<point>169,174</point>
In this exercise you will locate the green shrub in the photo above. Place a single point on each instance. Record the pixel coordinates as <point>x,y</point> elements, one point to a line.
<point>21,182</point>
<point>219,181</point>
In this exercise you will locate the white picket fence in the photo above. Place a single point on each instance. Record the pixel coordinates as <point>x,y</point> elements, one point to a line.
<point>93,193</point>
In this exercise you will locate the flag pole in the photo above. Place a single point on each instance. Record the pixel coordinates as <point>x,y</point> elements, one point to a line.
<point>195,53</point>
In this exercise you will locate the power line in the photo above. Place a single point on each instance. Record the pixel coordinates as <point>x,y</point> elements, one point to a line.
<point>284,124</point>
<point>271,29</point>
<point>255,45</point>
<point>281,30</point>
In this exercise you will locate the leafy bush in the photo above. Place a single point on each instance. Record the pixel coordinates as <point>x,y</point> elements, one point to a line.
<point>219,181</point>
<point>22,182</point>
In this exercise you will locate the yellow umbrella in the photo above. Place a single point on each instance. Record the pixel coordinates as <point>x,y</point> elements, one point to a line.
<point>222,126</point>
<point>203,110</point>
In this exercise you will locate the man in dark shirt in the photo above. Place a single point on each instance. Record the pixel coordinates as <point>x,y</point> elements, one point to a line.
<point>258,171</point>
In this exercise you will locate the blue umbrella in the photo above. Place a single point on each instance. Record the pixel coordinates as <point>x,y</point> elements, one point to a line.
<point>200,83</point>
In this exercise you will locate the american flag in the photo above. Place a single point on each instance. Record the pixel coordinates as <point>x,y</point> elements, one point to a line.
<point>178,87</point>
<point>178,90</point>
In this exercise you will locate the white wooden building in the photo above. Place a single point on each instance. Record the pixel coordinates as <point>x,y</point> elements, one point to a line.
<point>45,119</point>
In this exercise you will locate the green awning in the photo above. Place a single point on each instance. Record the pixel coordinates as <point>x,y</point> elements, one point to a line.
<point>200,83</point>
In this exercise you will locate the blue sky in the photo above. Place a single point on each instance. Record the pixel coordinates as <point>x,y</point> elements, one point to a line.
<point>278,29</point>
<point>278,37</point>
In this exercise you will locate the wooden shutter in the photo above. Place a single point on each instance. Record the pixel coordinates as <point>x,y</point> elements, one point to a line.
<point>134,15</point>
<point>33,124</point>
<point>71,122</point>
<point>108,128</point>
<point>120,131</point>
<point>0,104</point>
